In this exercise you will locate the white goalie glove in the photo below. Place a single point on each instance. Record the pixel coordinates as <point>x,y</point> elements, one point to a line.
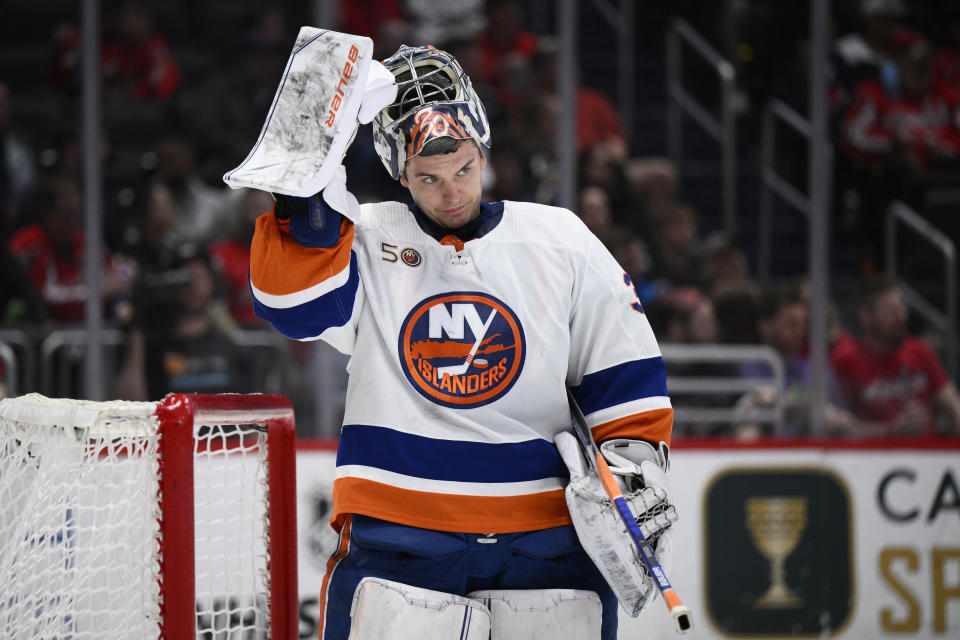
<point>329,87</point>
<point>597,521</point>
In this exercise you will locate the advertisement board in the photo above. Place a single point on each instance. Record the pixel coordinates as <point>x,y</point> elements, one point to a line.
<point>831,539</point>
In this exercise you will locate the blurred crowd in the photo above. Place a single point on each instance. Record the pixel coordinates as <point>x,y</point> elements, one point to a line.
<point>895,103</point>
<point>184,101</point>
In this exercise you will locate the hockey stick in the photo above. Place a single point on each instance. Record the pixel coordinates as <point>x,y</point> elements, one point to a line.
<point>680,612</point>
<point>460,369</point>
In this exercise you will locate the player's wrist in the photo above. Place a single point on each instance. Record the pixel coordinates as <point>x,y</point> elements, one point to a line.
<point>313,223</point>
<point>288,206</point>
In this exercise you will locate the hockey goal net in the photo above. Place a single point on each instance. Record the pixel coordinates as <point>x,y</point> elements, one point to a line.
<point>172,519</point>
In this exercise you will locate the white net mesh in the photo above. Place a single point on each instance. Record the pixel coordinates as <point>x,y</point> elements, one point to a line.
<point>80,523</point>
<point>79,519</point>
<point>231,500</point>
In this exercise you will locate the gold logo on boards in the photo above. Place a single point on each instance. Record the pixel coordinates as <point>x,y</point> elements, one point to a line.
<point>776,524</point>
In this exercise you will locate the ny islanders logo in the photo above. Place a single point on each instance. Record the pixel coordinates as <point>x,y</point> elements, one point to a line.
<point>461,350</point>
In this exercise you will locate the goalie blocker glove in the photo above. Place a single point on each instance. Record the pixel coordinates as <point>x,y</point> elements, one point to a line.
<point>600,528</point>
<point>330,85</point>
<point>642,470</point>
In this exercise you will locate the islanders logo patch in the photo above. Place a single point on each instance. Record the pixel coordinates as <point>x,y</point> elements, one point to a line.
<point>462,350</point>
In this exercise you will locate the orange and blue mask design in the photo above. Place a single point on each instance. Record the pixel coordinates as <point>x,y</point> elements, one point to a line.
<point>429,123</point>
<point>461,350</point>
<point>437,101</point>
<point>452,119</point>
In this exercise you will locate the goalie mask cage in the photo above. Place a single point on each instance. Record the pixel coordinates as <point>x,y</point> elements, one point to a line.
<point>172,519</point>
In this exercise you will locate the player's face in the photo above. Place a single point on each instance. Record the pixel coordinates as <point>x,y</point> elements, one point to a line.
<point>447,187</point>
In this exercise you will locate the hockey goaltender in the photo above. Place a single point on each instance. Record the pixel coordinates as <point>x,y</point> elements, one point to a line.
<point>467,322</point>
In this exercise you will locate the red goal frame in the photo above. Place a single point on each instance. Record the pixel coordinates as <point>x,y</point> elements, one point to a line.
<point>179,415</point>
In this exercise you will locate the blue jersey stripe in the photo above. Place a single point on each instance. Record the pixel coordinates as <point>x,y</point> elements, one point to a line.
<point>448,460</point>
<point>620,384</point>
<point>310,319</point>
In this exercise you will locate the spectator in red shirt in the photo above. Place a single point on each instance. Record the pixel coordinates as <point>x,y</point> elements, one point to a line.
<point>51,253</point>
<point>892,382</point>
<point>505,46</point>
<point>598,122</point>
<point>897,137</point>
<point>365,19</point>
<point>51,250</point>
<point>914,124</point>
<point>864,54</point>
<point>136,61</point>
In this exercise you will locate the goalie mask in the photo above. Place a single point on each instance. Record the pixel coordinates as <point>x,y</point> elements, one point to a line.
<point>434,100</point>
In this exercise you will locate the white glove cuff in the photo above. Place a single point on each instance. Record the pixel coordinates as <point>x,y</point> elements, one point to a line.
<point>379,92</point>
<point>638,458</point>
<point>336,195</point>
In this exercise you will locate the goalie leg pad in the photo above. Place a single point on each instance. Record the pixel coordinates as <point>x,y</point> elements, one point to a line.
<point>542,614</point>
<point>387,609</point>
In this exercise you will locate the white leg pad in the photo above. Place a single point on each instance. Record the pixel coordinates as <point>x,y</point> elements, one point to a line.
<point>542,614</point>
<point>387,609</point>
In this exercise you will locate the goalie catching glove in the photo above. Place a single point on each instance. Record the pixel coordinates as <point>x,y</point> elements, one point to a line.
<point>599,525</point>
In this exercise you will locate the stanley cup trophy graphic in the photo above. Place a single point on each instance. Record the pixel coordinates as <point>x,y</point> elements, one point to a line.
<point>775,524</point>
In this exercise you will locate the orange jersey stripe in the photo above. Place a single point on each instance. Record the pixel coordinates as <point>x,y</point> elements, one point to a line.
<point>279,265</point>
<point>446,512</point>
<point>343,548</point>
<point>654,425</point>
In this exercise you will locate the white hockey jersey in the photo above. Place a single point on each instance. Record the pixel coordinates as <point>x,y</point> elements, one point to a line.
<point>461,355</point>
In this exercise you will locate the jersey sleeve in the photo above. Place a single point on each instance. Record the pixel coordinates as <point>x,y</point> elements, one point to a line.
<point>615,371</point>
<point>306,293</point>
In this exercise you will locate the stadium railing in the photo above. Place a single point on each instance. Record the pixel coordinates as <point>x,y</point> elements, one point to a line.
<point>732,385</point>
<point>945,319</point>
<point>776,112</point>
<point>680,101</point>
<point>17,349</point>
<point>62,352</point>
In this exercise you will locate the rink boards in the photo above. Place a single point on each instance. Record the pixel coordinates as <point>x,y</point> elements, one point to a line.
<point>867,537</point>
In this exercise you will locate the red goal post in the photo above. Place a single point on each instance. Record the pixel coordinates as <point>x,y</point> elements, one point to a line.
<point>165,520</point>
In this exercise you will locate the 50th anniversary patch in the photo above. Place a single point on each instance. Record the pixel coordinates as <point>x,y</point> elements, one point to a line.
<point>462,349</point>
